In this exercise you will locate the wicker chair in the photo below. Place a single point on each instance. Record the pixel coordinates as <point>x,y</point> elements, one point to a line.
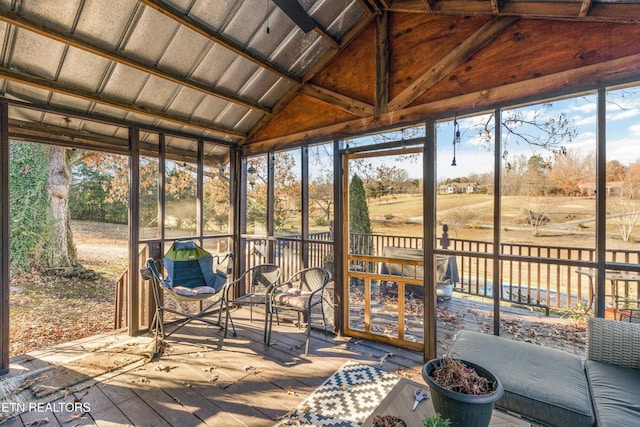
<point>303,291</point>
<point>258,282</point>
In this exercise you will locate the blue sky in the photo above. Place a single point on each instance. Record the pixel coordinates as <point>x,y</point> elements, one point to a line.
<point>474,157</point>
<point>623,134</point>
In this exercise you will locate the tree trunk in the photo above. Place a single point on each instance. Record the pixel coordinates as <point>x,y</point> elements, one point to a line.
<point>61,250</point>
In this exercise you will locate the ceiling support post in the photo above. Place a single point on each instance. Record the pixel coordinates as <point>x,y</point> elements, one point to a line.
<point>4,237</point>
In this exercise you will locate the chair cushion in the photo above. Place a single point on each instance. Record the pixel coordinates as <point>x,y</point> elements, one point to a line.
<point>296,299</point>
<point>189,292</point>
<point>614,390</point>
<point>543,384</point>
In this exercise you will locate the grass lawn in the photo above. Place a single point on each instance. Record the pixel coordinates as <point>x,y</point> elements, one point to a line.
<point>571,219</point>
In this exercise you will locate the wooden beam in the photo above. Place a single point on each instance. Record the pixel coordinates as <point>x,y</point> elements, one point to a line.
<point>315,69</point>
<point>584,8</point>
<point>97,118</point>
<point>219,38</point>
<point>63,88</point>
<point>429,4</point>
<point>50,134</point>
<point>370,7</point>
<point>540,9</point>
<point>66,137</point>
<point>325,35</point>
<point>450,62</point>
<point>382,64</point>
<point>562,83</point>
<point>72,40</point>
<point>496,5</point>
<point>338,100</point>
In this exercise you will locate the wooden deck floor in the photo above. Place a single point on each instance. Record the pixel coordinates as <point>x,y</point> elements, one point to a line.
<point>205,380</point>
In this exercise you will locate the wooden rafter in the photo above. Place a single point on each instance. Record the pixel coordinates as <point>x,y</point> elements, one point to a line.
<point>583,10</point>
<point>496,5</point>
<point>346,40</point>
<point>328,37</point>
<point>60,135</point>
<point>610,72</point>
<point>429,4</point>
<point>382,64</point>
<point>44,30</point>
<point>450,62</point>
<point>59,87</point>
<point>368,7</point>
<point>185,20</point>
<point>338,100</point>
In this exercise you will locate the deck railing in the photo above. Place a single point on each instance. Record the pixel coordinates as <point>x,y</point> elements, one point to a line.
<point>542,276</point>
<point>290,252</point>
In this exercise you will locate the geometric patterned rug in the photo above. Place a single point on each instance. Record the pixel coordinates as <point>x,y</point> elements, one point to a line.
<point>345,399</point>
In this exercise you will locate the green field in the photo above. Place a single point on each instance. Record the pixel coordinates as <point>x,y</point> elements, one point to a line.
<point>571,219</point>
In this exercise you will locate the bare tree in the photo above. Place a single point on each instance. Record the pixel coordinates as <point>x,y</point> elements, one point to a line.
<point>458,218</point>
<point>570,170</point>
<point>623,205</point>
<point>321,195</point>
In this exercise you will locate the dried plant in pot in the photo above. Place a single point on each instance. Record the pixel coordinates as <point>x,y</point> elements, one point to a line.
<point>462,391</point>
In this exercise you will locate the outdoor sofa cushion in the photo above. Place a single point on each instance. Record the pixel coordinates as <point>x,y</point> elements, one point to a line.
<point>614,390</point>
<point>542,384</point>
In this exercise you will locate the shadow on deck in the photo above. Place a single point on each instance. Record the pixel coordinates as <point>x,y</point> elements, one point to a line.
<point>203,380</point>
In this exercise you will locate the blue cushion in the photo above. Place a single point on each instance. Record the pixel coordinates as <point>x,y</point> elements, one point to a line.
<point>616,393</point>
<point>542,384</point>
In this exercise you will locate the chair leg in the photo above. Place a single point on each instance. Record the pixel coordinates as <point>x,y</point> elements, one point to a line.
<point>306,348</point>
<point>324,320</point>
<point>268,326</point>
<point>267,310</point>
<point>158,327</point>
<point>228,318</point>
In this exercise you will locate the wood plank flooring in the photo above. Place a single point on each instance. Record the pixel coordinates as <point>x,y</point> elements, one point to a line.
<point>202,379</point>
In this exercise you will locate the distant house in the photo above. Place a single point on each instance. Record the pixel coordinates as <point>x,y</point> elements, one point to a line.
<point>589,188</point>
<point>471,187</point>
<point>458,188</point>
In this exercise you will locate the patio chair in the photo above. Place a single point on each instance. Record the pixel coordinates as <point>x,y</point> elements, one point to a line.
<point>258,281</point>
<point>303,291</point>
<point>627,310</point>
<point>190,278</point>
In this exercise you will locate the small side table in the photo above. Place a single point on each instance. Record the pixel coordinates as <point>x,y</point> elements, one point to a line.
<point>399,402</point>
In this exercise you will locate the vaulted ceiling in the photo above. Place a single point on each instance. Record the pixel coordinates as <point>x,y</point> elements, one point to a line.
<point>265,74</point>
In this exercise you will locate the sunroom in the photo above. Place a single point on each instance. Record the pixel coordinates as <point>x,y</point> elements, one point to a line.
<point>492,143</point>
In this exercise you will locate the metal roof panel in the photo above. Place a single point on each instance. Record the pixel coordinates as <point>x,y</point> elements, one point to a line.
<point>275,91</point>
<point>71,102</point>
<point>246,20</point>
<point>230,116</point>
<point>185,102</point>
<point>29,46</point>
<point>149,37</point>
<point>106,22</point>
<point>82,69</point>
<point>124,82</point>
<point>157,93</point>
<point>184,52</point>
<point>214,17</point>
<point>27,93</point>
<point>59,13</point>
<point>214,64</point>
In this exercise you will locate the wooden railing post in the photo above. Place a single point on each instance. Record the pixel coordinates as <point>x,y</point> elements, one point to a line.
<point>444,240</point>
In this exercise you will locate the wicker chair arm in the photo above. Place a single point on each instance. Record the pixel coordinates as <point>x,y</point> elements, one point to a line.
<point>613,342</point>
